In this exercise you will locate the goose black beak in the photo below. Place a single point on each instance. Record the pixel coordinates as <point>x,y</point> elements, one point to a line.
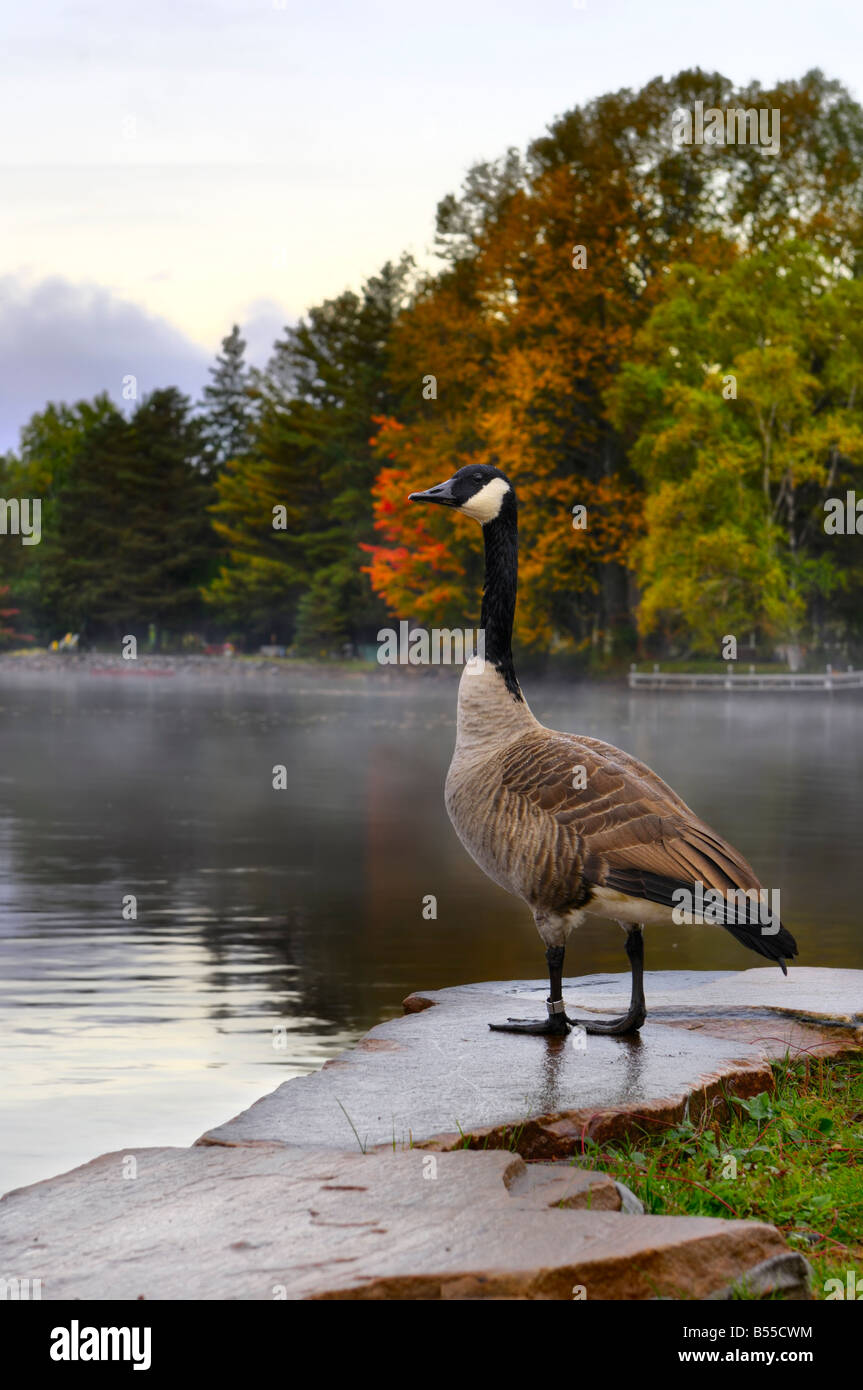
<point>442,495</point>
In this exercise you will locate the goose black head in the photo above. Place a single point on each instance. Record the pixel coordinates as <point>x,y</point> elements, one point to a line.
<point>478,490</point>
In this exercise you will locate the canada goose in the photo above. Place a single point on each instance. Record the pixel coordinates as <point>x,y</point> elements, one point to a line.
<point>613,839</point>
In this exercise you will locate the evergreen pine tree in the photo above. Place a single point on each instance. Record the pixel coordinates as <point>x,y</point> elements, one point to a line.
<point>132,542</point>
<point>311,454</point>
<point>168,543</point>
<point>85,575</point>
<point>227,413</point>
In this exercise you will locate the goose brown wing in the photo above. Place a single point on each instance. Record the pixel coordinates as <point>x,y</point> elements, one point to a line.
<point>624,823</point>
<point>627,830</point>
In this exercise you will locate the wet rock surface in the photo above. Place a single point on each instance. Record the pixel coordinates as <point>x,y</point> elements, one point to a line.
<point>271,1222</point>
<point>438,1077</point>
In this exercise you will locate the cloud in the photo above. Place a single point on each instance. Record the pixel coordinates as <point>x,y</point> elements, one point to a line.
<point>66,342</point>
<point>61,341</point>
<point>263,321</point>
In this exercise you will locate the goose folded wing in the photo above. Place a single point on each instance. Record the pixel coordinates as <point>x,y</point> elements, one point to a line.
<point>625,829</point>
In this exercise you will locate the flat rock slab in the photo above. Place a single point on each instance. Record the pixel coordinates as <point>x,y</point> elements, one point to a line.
<point>826,997</point>
<point>271,1222</point>
<point>439,1078</point>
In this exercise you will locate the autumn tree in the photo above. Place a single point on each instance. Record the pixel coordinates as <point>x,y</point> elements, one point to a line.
<point>552,263</point>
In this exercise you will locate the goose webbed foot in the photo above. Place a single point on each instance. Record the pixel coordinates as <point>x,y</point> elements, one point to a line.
<point>558,1023</point>
<point>631,1022</point>
<point>555,1026</point>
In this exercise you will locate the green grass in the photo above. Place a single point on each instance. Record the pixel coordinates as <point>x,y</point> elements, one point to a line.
<point>363,1145</point>
<point>798,1154</point>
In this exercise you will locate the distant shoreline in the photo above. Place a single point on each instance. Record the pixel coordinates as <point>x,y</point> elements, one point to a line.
<point>163,666</point>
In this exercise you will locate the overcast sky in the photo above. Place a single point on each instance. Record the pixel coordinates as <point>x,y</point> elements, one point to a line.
<point>170,168</point>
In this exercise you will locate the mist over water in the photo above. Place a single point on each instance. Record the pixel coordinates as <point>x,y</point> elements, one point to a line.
<point>301,910</point>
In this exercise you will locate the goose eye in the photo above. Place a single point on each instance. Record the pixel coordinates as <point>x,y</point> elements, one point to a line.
<point>477,477</point>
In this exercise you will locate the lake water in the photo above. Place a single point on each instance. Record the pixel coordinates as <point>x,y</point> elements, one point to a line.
<point>294,917</point>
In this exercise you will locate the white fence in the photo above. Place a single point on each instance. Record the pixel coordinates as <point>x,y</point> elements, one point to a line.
<point>784,680</point>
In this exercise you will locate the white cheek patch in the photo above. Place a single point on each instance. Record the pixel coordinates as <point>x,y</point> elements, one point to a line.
<point>485,505</point>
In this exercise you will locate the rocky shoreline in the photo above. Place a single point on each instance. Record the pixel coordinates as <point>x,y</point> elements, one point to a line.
<point>200,668</point>
<point>436,1160</point>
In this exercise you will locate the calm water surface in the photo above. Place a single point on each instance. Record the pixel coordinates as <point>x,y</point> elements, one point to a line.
<point>296,915</point>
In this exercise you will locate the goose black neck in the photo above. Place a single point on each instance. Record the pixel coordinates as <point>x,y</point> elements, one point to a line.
<point>499,592</point>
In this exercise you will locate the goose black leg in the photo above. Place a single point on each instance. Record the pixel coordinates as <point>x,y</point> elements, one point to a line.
<point>556,1025</point>
<point>637,1012</point>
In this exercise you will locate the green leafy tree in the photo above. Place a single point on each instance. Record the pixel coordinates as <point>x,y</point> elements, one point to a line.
<point>742,410</point>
